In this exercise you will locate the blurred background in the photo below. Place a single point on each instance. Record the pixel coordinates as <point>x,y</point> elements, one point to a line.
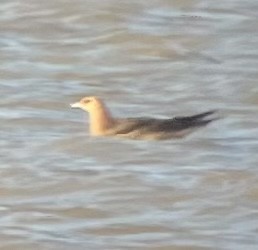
<point>62,189</point>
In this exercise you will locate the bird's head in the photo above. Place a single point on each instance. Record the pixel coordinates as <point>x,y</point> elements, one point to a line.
<point>89,103</point>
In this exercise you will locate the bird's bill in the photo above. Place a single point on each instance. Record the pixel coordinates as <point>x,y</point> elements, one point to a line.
<point>75,105</point>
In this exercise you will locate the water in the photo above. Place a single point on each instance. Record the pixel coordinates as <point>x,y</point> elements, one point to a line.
<point>61,189</point>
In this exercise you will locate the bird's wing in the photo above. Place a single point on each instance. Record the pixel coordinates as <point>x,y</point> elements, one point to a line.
<point>128,125</point>
<point>152,125</point>
<point>182,122</point>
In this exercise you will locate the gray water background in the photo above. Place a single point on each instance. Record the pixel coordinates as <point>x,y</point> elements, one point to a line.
<point>62,189</point>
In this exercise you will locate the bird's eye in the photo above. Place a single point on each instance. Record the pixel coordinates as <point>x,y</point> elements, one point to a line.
<point>86,101</point>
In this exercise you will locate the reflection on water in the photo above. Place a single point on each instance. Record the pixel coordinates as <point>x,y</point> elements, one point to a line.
<point>61,189</point>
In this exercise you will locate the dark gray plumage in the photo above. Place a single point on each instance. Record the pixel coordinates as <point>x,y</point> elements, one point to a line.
<point>160,128</point>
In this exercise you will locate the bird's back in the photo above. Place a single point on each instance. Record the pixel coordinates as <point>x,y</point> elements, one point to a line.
<point>150,128</point>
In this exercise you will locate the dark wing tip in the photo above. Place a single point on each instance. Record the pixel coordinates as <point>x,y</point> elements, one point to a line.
<point>204,114</point>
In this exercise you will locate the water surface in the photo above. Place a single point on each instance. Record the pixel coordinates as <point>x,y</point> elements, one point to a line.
<point>62,189</point>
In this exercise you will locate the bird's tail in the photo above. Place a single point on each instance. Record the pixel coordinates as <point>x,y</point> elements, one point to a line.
<point>197,120</point>
<point>204,118</point>
<point>203,115</point>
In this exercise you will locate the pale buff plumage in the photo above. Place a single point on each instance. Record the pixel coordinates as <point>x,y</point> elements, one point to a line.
<point>100,118</point>
<point>103,124</point>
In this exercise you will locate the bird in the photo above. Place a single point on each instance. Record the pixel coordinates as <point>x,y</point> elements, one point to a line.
<point>102,123</point>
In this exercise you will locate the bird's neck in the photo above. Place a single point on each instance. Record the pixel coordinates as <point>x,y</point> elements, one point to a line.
<point>100,120</point>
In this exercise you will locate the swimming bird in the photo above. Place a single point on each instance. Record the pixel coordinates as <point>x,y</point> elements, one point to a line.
<point>102,123</point>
